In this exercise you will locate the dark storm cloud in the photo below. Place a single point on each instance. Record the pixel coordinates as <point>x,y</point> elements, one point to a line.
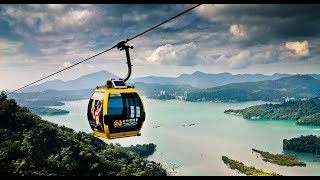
<point>234,35</point>
<point>264,23</point>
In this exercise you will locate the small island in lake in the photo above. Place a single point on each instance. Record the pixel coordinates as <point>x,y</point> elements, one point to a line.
<point>280,159</point>
<point>39,106</point>
<point>38,102</point>
<point>252,171</point>
<point>306,144</point>
<point>305,112</point>
<point>143,150</point>
<point>47,111</point>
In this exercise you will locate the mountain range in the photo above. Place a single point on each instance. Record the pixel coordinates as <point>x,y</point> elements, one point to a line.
<point>88,81</point>
<point>297,86</point>
<point>206,80</point>
<point>197,79</point>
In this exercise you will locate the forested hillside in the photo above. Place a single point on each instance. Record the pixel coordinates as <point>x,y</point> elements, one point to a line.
<point>305,112</point>
<point>31,146</point>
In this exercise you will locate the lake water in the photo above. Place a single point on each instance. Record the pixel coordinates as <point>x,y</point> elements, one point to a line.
<point>197,149</point>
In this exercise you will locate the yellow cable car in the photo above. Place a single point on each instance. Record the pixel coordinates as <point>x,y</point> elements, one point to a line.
<point>116,111</point>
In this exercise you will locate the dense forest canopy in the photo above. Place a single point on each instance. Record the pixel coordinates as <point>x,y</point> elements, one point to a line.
<point>305,112</point>
<point>308,144</point>
<point>31,146</point>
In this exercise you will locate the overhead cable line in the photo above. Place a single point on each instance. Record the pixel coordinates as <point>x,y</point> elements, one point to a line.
<point>117,45</point>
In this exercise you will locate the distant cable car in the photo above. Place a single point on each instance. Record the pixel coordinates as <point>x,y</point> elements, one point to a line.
<point>116,110</point>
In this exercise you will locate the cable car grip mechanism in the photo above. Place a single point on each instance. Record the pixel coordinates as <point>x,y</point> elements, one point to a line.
<point>122,46</point>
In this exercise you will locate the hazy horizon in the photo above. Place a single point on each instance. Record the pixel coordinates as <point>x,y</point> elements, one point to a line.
<point>65,80</point>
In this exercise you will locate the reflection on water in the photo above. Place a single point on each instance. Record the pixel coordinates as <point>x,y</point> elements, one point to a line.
<point>196,135</point>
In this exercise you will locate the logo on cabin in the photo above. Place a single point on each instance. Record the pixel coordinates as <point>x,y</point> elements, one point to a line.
<point>125,123</point>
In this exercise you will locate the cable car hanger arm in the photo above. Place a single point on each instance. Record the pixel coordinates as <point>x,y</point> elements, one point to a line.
<point>122,46</point>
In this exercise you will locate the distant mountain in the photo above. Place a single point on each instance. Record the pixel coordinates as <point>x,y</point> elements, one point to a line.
<point>152,89</point>
<point>155,80</point>
<point>203,80</point>
<point>52,97</point>
<point>297,86</point>
<point>88,81</point>
<point>197,79</point>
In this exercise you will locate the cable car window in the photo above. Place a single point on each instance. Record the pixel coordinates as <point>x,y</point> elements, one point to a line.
<point>127,105</point>
<point>98,96</point>
<point>132,111</point>
<point>131,105</point>
<point>125,112</point>
<point>138,106</point>
<point>138,111</point>
<point>115,104</point>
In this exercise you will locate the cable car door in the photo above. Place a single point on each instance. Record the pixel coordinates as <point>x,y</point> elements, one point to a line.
<point>125,113</point>
<point>95,111</point>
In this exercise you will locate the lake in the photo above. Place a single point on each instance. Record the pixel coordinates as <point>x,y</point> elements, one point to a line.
<point>197,149</point>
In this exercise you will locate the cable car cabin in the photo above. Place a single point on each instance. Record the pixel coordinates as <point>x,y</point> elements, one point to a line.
<point>116,111</point>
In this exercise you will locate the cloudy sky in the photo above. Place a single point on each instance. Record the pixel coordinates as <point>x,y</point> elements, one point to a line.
<point>36,40</point>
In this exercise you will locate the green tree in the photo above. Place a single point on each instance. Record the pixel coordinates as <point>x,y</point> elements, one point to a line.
<point>30,146</point>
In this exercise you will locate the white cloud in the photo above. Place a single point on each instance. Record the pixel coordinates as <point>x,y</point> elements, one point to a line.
<point>50,51</point>
<point>183,55</point>
<point>265,57</point>
<point>54,38</point>
<point>10,54</point>
<point>16,59</point>
<point>211,11</point>
<point>57,54</point>
<point>66,64</point>
<point>48,18</point>
<point>240,60</point>
<point>90,66</point>
<point>18,16</point>
<point>35,5</point>
<point>134,16</point>
<point>45,27</point>
<point>54,48</point>
<point>49,6</point>
<point>86,5</point>
<point>9,46</point>
<point>56,6</point>
<point>221,60</point>
<point>229,13</point>
<point>264,23</point>
<point>75,18</point>
<point>298,48</point>
<point>238,31</point>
